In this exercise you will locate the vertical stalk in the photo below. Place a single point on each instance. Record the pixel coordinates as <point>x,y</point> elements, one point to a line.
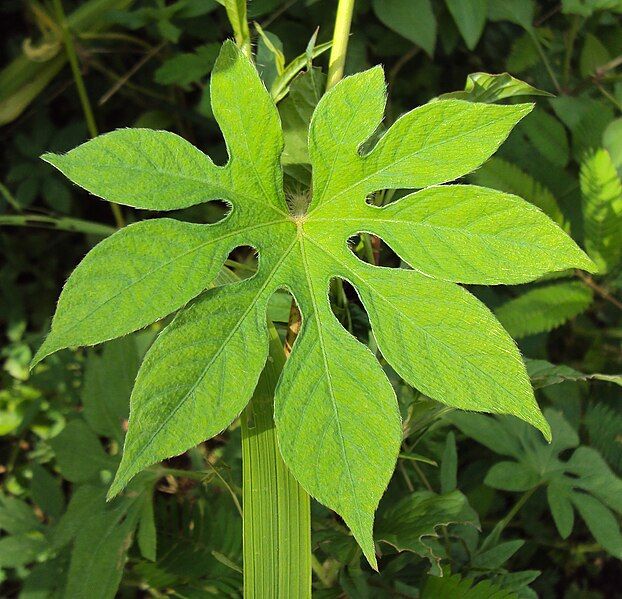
<point>277,519</point>
<point>341,33</point>
<point>72,56</point>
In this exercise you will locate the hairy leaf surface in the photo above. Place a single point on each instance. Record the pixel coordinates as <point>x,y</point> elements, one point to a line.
<point>336,413</point>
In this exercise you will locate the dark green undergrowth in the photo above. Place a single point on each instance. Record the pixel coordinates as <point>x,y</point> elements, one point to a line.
<point>479,506</point>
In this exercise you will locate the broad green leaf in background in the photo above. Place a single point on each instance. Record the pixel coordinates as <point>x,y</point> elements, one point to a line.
<point>543,374</point>
<point>519,12</point>
<point>601,189</point>
<point>335,411</point>
<point>484,87</point>
<point>188,67</point>
<point>106,398</point>
<point>612,142</point>
<point>584,482</point>
<point>548,136</point>
<point>544,308</point>
<point>593,55</point>
<point>470,18</point>
<point>80,455</point>
<point>416,518</point>
<point>586,8</point>
<point>413,19</point>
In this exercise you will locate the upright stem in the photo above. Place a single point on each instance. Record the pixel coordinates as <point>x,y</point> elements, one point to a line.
<point>277,519</point>
<point>72,56</point>
<point>544,59</point>
<point>341,33</point>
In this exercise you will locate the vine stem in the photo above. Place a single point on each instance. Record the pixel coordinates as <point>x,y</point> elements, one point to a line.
<point>72,56</point>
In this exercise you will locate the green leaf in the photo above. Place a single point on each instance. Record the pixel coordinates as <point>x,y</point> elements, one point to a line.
<point>347,404</point>
<point>519,12</point>
<point>471,229</point>
<point>441,337</point>
<point>604,425</point>
<point>155,170</point>
<point>46,491</point>
<point>602,523</point>
<point>558,494</point>
<point>544,308</point>
<point>270,58</point>
<point>507,177</point>
<point>118,288</point>
<point>449,465</point>
<point>484,87</point>
<point>601,189</point>
<point>193,374</point>
<point>187,68</point>
<point>99,552</point>
<point>585,8</point>
<point>470,18</point>
<point>18,550</point>
<point>451,587</point>
<point>413,19</point>
<point>423,147</point>
<point>584,481</point>
<point>612,142</point>
<point>146,537</point>
<point>108,382</point>
<point>282,82</point>
<point>296,111</point>
<point>16,516</point>
<point>523,54</point>
<point>407,524</point>
<point>543,374</point>
<point>79,453</point>
<point>511,476</point>
<point>336,414</point>
<point>593,55</point>
<point>548,136</point>
<point>494,558</point>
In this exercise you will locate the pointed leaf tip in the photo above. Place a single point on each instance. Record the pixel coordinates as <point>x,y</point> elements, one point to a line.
<point>542,424</point>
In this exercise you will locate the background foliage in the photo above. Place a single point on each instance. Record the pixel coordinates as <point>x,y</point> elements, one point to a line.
<point>484,501</point>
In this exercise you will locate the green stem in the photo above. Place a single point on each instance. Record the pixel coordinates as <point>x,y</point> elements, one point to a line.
<point>571,37</point>
<point>277,518</point>
<point>341,33</point>
<point>72,56</point>
<point>495,535</point>
<point>61,223</point>
<point>545,59</point>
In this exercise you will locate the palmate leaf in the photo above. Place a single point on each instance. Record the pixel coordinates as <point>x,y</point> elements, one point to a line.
<point>336,413</point>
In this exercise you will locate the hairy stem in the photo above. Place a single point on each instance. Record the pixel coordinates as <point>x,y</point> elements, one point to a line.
<point>72,56</point>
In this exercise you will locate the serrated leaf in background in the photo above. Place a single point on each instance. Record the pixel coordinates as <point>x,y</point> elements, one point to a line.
<point>548,136</point>
<point>544,308</point>
<point>601,189</point>
<point>502,175</point>
<point>451,587</point>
